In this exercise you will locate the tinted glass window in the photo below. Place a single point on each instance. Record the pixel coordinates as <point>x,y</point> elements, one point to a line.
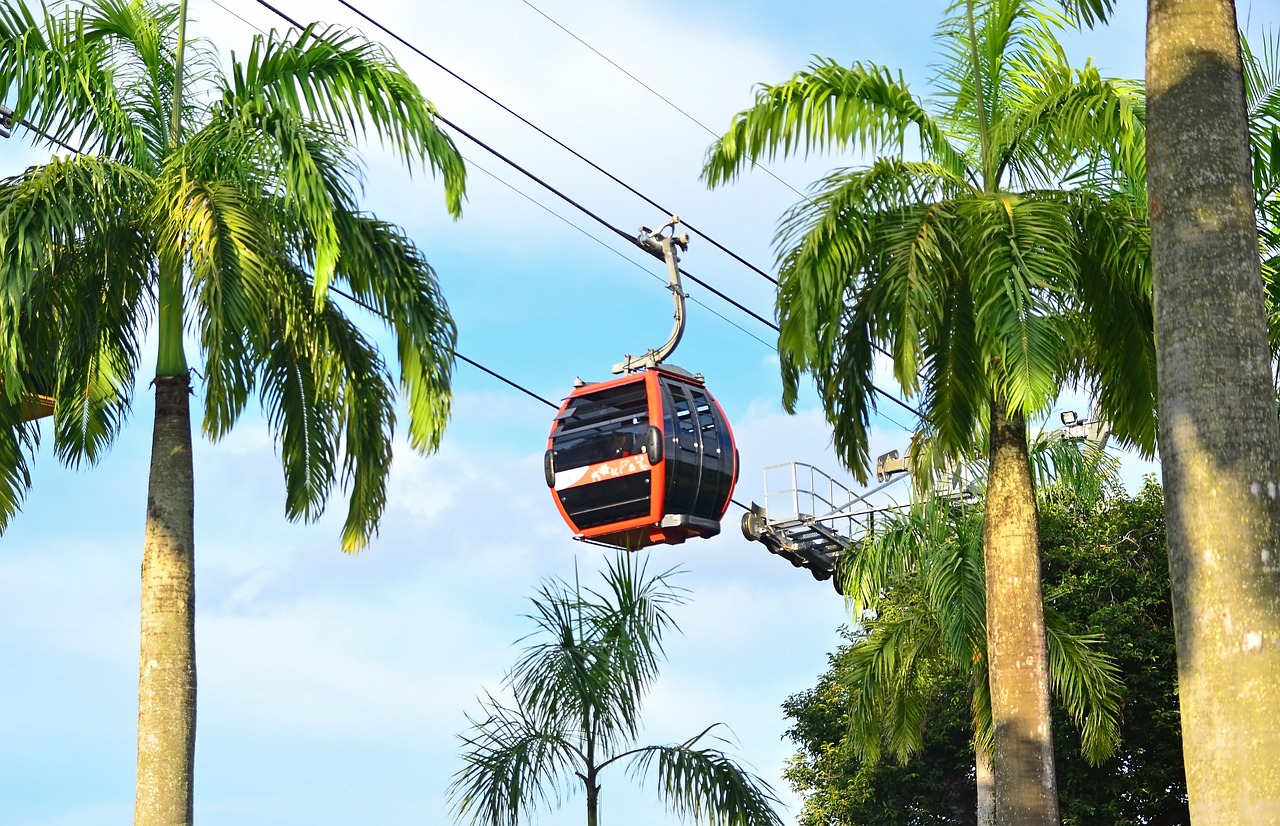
<point>602,426</point>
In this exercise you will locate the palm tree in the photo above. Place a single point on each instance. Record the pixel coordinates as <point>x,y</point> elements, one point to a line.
<point>917,586</point>
<point>575,711</point>
<point>223,206</point>
<point>988,283</point>
<point>1219,436</point>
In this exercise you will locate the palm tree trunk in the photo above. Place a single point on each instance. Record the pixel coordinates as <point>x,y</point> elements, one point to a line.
<point>593,792</point>
<point>167,667</point>
<point>986,787</point>
<point>1219,440</point>
<point>1018,661</point>
<point>593,804</point>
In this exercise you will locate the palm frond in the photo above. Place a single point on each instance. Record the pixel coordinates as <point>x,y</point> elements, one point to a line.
<point>633,614</point>
<point>513,767</point>
<point>1065,117</point>
<point>338,77</point>
<point>75,285</point>
<point>1087,682</point>
<point>828,106</point>
<point>1073,466</point>
<point>1023,253</point>
<point>1261,60</point>
<point>220,233</point>
<point>830,313</point>
<point>365,395</point>
<point>387,273</point>
<point>1088,12</point>
<point>66,77</point>
<point>597,652</point>
<point>18,443</point>
<point>326,389</point>
<point>314,172</point>
<point>885,677</point>
<point>956,387</point>
<point>988,46</point>
<point>1114,293</point>
<point>954,581</point>
<point>300,399</point>
<point>706,786</point>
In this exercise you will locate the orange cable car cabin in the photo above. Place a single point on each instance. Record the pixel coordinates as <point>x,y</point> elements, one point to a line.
<point>644,459</point>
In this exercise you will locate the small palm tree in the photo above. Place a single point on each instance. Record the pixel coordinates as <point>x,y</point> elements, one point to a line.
<point>223,207</point>
<point>1010,260</point>
<point>575,712</point>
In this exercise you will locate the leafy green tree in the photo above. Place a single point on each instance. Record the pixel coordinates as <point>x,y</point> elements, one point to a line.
<point>1219,435</point>
<point>1105,572</point>
<point>224,207</point>
<point>1009,260</point>
<point>575,712</point>
<point>842,786</point>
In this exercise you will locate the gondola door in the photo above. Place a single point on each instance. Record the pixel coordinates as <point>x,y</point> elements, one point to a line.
<point>701,460</point>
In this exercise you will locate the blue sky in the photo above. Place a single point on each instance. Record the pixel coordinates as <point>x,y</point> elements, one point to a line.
<point>332,687</point>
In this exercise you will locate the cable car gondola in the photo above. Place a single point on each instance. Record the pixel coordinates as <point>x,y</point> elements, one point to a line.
<point>32,406</point>
<point>647,458</point>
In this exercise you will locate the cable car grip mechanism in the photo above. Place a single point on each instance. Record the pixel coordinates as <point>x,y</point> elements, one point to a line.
<point>662,246</point>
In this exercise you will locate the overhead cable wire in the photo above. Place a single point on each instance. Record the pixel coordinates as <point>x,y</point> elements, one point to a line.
<point>633,240</point>
<point>36,129</point>
<point>455,353</point>
<point>471,163</point>
<point>564,197</point>
<point>674,106</point>
<point>561,195</point>
<point>651,202</point>
<point>656,94</point>
<point>236,16</point>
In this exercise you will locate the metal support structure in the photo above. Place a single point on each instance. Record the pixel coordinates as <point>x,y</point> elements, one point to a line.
<point>664,247</point>
<point>1091,428</point>
<point>815,520</point>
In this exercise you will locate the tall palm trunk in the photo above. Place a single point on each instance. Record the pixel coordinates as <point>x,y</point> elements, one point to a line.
<point>1219,440</point>
<point>986,787</point>
<point>167,668</point>
<point>167,655</point>
<point>1018,661</point>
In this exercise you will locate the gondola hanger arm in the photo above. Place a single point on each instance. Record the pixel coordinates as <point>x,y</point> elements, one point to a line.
<point>662,244</point>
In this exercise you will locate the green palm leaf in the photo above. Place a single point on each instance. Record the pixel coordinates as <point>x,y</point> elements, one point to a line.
<point>18,443</point>
<point>706,786</point>
<point>341,79</point>
<point>1087,682</point>
<point>829,106</point>
<point>513,765</point>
